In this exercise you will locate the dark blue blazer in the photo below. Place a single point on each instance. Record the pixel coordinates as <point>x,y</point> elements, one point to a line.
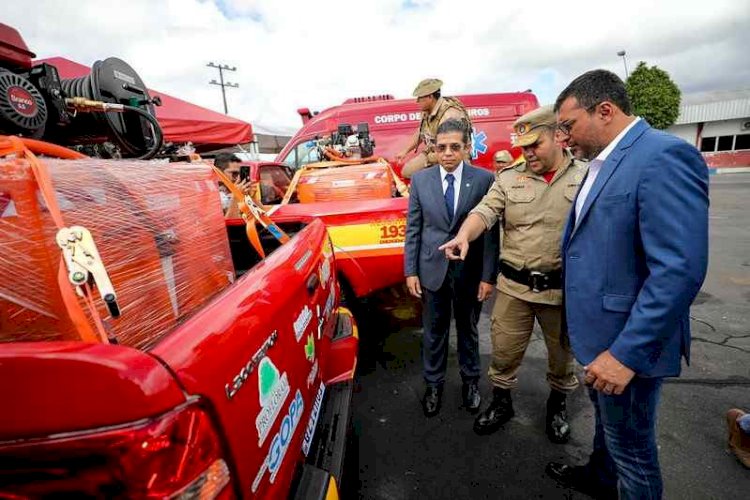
<point>428,227</point>
<point>638,256</point>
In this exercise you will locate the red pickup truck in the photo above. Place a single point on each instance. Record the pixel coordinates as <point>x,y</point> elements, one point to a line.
<point>238,389</point>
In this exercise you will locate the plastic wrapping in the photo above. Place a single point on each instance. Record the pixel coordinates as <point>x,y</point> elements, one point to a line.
<point>159,230</point>
<point>348,183</point>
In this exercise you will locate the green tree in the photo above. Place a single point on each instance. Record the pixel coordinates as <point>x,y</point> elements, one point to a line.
<point>654,95</point>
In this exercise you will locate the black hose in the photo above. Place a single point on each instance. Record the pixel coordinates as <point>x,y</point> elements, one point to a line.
<point>89,86</point>
<point>158,135</point>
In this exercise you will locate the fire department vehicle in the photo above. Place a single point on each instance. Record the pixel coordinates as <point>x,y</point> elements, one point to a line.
<point>367,223</point>
<point>144,353</point>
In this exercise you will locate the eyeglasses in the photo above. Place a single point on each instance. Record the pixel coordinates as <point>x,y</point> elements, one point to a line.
<point>566,126</point>
<point>455,147</point>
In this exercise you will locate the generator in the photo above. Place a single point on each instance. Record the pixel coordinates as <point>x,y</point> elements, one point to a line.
<point>107,113</point>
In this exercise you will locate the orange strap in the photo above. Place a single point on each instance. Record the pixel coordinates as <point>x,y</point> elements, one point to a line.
<point>18,146</point>
<point>239,197</point>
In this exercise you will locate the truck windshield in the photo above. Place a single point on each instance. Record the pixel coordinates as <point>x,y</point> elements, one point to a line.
<point>302,154</point>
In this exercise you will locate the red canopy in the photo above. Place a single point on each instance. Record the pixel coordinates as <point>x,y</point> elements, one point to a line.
<point>180,120</point>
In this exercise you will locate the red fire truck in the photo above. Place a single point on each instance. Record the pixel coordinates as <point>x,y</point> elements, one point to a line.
<point>392,122</point>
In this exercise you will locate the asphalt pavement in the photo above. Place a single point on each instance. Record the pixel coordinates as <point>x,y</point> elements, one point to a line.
<point>403,455</point>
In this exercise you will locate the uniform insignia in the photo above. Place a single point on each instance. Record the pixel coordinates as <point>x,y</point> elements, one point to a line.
<point>578,177</point>
<point>521,178</point>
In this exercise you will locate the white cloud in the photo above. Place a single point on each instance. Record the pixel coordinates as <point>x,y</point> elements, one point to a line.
<point>315,54</point>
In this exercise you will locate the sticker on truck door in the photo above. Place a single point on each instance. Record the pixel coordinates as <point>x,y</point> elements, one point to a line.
<point>281,441</point>
<point>273,391</point>
<point>313,422</point>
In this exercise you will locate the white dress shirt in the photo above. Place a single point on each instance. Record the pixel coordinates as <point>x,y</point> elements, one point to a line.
<point>456,182</point>
<point>596,165</point>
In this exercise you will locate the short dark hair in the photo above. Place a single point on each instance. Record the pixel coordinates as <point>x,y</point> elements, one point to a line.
<point>456,125</point>
<point>436,94</point>
<point>223,160</point>
<point>594,87</point>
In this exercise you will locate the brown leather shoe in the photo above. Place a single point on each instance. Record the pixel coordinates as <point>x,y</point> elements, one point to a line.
<point>739,442</point>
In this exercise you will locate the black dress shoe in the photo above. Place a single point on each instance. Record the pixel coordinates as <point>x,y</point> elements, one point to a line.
<point>499,412</point>
<point>431,400</point>
<point>581,478</point>
<point>557,426</point>
<point>471,397</point>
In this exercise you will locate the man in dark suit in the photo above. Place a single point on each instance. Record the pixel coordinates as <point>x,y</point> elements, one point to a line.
<point>635,252</point>
<point>440,198</point>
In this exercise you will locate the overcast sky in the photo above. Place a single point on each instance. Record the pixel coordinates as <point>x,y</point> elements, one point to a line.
<point>317,53</point>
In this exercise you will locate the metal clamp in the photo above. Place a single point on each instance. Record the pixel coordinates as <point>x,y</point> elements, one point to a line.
<point>85,265</point>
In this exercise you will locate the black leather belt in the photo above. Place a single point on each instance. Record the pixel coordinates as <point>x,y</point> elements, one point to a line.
<point>538,282</point>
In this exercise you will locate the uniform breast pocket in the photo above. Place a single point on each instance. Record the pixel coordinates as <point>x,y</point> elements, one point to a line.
<point>517,210</point>
<point>571,190</point>
<point>521,194</point>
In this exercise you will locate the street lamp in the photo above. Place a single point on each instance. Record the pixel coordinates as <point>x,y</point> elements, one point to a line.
<point>624,61</point>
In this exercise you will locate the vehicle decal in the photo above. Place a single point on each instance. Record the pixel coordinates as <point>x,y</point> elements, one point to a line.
<point>281,440</point>
<point>310,348</point>
<point>313,422</point>
<point>302,260</point>
<point>325,272</point>
<point>313,374</point>
<point>328,249</point>
<point>330,302</point>
<point>321,320</point>
<point>239,380</point>
<point>302,322</point>
<point>478,144</point>
<point>369,236</point>
<point>272,391</point>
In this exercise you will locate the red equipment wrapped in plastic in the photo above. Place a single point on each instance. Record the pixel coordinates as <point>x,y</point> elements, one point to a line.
<point>350,183</point>
<point>158,228</point>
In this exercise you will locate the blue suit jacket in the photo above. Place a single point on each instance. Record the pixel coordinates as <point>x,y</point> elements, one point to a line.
<point>428,227</point>
<point>638,256</point>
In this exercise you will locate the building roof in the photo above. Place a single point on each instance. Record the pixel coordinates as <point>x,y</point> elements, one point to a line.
<point>714,106</point>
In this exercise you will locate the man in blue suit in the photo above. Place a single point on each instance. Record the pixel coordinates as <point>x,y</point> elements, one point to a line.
<point>635,252</point>
<point>439,200</point>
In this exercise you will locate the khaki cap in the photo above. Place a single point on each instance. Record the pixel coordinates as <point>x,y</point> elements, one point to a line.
<point>503,156</point>
<point>427,86</point>
<point>530,126</point>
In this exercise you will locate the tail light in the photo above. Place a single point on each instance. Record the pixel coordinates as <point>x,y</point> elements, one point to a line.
<point>177,455</point>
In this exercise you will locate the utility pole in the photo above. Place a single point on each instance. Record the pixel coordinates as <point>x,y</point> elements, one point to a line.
<point>624,61</point>
<point>221,82</point>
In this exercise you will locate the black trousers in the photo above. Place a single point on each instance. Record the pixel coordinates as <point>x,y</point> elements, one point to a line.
<point>456,297</point>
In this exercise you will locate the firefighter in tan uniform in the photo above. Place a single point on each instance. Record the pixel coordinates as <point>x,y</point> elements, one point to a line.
<point>501,160</point>
<point>435,110</point>
<point>531,200</point>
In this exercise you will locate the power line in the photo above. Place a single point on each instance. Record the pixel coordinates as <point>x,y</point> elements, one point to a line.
<point>221,82</point>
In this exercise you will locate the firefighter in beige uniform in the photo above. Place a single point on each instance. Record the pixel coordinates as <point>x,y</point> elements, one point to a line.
<point>531,200</point>
<point>435,110</point>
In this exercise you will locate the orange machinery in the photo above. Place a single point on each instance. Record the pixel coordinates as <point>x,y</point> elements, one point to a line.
<point>165,250</point>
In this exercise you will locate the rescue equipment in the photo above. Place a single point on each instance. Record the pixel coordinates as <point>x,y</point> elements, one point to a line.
<point>110,104</point>
<point>159,254</point>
